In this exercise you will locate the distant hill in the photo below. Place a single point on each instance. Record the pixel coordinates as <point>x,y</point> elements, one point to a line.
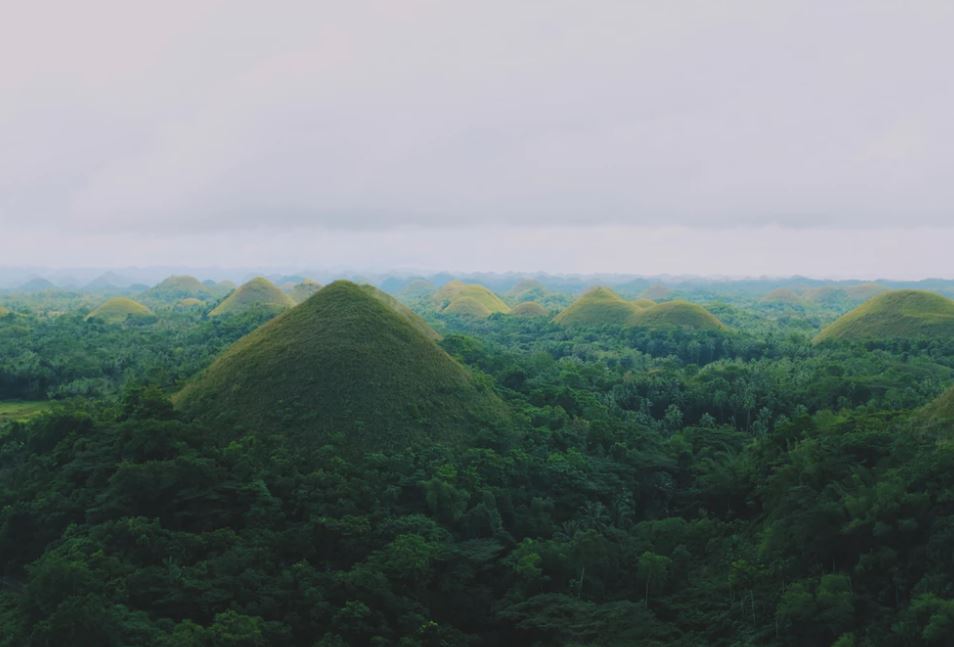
<point>257,294</point>
<point>783,295</point>
<point>303,290</point>
<point>445,297</point>
<point>938,411</point>
<point>119,310</point>
<point>656,292</point>
<point>527,290</point>
<point>599,306</point>
<point>179,287</point>
<point>529,309</point>
<point>343,364</point>
<point>37,284</point>
<point>910,314</point>
<point>677,314</point>
<point>190,302</point>
<point>105,282</point>
<point>467,307</point>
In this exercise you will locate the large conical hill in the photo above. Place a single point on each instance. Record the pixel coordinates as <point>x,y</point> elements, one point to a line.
<point>599,306</point>
<point>257,294</point>
<point>344,363</point>
<point>899,314</point>
<point>176,288</point>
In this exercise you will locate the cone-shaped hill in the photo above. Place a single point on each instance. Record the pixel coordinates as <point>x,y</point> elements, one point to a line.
<point>176,288</point>
<point>899,314</point>
<point>676,314</point>
<point>304,290</point>
<point>118,310</point>
<point>529,309</point>
<point>257,294</point>
<point>343,363</point>
<point>939,411</point>
<point>467,307</point>
<point>598,307</point>
<point>783,295</point>
<point>456,290</point>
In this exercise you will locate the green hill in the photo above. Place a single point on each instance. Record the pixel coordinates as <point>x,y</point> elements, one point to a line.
<point>904,314</point>
<point>783,295</point>
<point>304,290</point>
<point>529,309</point>
<point>598,307</point>
<point>176,288</point>
<point>864,291</point>
<point>938,411</point>
<point>527,290</point>
<point>677,314</point>
<point>343,363</point>
<point>189,302</point>
<point>457,290</point>
<point>119,310</point>
<point>259,293</point>
<point>643,303</point>
<point>467,307</point>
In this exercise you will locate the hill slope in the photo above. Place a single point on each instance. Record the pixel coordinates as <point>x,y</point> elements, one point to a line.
<point>529,309</point>
<point>344,362</point>
<point>677,314</point>
<point>906,314</point>
<point>458,290</point>
<point>259,293</point>
<point>178,287</point>
<point>598,307</point>
<point>304,290</point>
<point>118,310</point>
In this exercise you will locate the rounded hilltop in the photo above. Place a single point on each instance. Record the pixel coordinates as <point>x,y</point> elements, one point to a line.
<point>119,310</point>
<point>255,295</point>
<point>529,309</point>
<point>899,314</point>
<point>677,314</point>
<point>599,306</point>
<point>344,364</point>
<point>177,287</point>
<point>468,299</point>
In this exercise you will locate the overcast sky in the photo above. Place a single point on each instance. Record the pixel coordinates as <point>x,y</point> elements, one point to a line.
<point>731,138</point>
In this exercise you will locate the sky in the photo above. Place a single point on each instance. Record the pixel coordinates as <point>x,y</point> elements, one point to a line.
<point>731,138</point>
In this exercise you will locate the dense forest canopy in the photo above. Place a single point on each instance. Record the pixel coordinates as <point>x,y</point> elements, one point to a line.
<point>716,474</point>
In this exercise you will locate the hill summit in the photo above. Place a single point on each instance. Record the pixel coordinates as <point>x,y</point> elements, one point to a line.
<point>118,310</point>
<point>904,314</point>
<point>468,299</point>
<point>177,287</point>
<point>257,294</point>
<point>304,290</point>
<point>346,363</point>
<point>677,314</point>
<point>599,306</point>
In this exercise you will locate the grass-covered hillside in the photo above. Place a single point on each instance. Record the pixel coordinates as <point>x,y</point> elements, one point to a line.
<point>529,309</point>
<point>676,314</point>
<point>454,291</point>
<point>257,294</point>
<point>599,306</point>
<point>342,363</point>
<point>119,310</point>
<point>176,288</point>
<point>900,314</point>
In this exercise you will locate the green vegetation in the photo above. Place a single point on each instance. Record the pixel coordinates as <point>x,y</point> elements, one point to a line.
<point>4,311</point>
<point>901,314</point>
<point>343,363</point>
<point>467,307</point>
<point>455,290</point>
<point>342,474</point>
<point>20,411</point>
<point>529,309</point>
<point>304,290</point>
<point>176,288</point>
<point>783,295</point>
<point>119,310</point>
<point>599,306</point>
<point>190,302</point>
<point>257,294</point>
<point>676,314</point>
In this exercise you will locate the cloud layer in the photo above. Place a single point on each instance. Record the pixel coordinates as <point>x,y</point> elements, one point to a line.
<point>210,117</point>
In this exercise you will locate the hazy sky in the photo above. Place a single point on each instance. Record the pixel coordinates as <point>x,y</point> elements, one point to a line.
<point>733,138</point>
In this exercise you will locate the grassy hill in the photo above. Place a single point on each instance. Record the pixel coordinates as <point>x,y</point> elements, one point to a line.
<point>783,295</point>
<point>458,290</point>
<point>938,411</point>
<point>467,307</point>
<point>189,302</point>
<point>598,307</point>
<point>343,363</point>
<point>677,314</point>
<point>119,310</point>
<point>529,309</point>
<point>179,287</point>
<point>906,314</point>
<point>303,290</point>
<point>259,293</point>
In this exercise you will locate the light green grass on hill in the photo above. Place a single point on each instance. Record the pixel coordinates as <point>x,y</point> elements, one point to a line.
<point>467,307</point>
<point>118,310</point>
<point>899,314</point>
<point>257,294</point>
<point>599,306</point>
<point>529,309</point>
<point>458,290</point>
<point>177,287</point>
<point>676,314</point>
<point>342,364</point>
